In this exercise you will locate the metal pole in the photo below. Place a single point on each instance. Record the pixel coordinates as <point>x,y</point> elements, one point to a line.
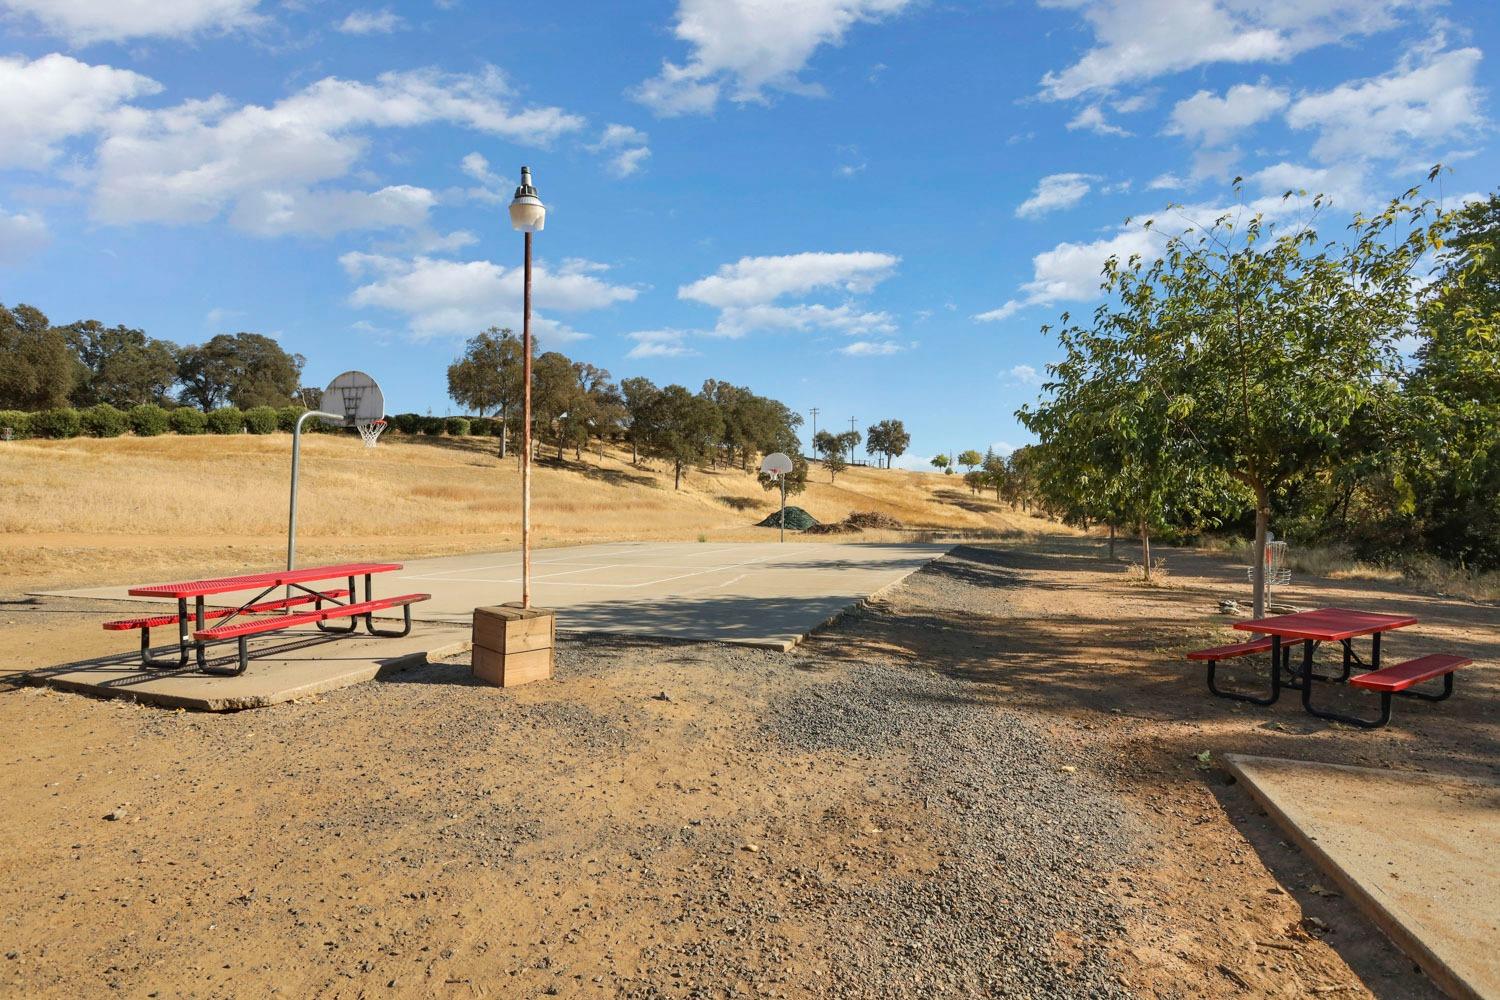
<point>291,525</point>
<point>783,506</point>
<point>526,432</point>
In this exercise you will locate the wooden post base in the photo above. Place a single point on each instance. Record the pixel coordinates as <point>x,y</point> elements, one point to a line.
<point>513,645</point>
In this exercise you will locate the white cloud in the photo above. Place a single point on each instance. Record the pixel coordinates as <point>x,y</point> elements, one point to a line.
<point>322,213</point>
<point>1056,191</point>
<point>737,321</point>
<point>193,161</point>
<point>1070,272</point>
<point>48,100</point>
<point>617,136</point>
<point>1213,120</point>
<point>629,161</point>
<point>742,48</point>
<point>371,22</point>
<point>21,235</point>
<point>758,280</point>
<point>872,348</point>
<point>1092,119</point>
<point>1025,375</point>
<point>450,298</point>
<point>659,344</point>
<point>1166,182</point>
<point>627,147</point>
<point>1424,101</point>
<point>1139,40</point>
<point>84,21</point>
<point>746,291</point>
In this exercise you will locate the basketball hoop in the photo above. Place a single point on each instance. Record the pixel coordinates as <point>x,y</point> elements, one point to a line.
<point>369,431</point>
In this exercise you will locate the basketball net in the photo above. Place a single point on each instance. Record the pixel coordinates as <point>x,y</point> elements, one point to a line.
<point>369,431</point>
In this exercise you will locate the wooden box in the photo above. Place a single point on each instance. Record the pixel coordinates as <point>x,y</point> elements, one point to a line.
<point>513,645</point>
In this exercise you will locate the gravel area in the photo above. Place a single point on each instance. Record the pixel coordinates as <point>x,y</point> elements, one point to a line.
<point>1015,906</point>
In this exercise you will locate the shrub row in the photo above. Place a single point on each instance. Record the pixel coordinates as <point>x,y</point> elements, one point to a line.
<point>149,420</point>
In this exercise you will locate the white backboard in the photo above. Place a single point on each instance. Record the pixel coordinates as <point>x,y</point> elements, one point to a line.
<point>776,464</point>
<point>357,396</point>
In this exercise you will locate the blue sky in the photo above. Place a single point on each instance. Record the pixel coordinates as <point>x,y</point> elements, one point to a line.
<point>865,206</point>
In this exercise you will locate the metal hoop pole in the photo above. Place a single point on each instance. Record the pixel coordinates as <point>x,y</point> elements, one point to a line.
<point>291,524</point>
<point>526,432</point>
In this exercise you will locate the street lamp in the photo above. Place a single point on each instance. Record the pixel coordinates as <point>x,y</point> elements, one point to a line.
<point>529,215</point>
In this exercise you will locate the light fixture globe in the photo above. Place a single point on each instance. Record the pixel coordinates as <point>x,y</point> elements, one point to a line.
<point>527,213</point>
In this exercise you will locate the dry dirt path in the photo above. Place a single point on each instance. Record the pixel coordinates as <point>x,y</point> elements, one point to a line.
<point>982,786</point>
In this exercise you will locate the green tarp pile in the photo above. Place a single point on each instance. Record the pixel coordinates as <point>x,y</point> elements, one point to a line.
<point>797,519</point>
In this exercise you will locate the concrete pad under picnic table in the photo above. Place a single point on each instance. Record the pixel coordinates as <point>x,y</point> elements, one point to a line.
<point>757,593</point>
<point>296,663</point>
<point>1419,852</point>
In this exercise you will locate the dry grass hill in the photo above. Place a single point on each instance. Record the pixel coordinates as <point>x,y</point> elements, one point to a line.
<point>134,509</point>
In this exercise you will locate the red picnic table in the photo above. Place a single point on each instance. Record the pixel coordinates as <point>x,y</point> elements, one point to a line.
<point>1342,625</point>
<point>328,603</point>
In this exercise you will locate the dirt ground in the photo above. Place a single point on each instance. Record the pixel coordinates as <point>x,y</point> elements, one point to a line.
<point>997,780</point>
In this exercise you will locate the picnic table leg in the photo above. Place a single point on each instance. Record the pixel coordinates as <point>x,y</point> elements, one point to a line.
<point>1350,720</point>
<point>353,622</point>
<point>151,663</point>
<point>390,634</point>
<point>1276,665</point>
<point>200,647</point>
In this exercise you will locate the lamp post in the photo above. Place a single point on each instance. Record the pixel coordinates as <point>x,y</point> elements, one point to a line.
<point>529,215</point>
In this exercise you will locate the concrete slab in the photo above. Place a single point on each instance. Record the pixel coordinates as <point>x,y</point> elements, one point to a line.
<point>293,664</point>
<point>1419,852</point>
<point>761,593</point>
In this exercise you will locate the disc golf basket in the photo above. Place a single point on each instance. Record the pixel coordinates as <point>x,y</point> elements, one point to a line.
<point>1278,573</point>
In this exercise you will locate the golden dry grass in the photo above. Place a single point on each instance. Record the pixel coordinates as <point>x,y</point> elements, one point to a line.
<point>137,509</point>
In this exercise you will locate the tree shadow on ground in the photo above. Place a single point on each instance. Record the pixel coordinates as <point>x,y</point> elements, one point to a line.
<point>971,502</point>
<point>1075,663</point>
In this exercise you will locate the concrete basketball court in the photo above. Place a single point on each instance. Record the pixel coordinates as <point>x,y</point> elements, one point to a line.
<point>760,593</point>
<point>1420,853</point>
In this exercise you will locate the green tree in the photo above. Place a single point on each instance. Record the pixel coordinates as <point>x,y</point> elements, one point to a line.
<point>638,394</point>
<point>38,370</point>
<point>831,447</point>
<point>995,471</point>
<point>941,462</point>
<point>119,365</point>
<point>488,377</point>
<point>1454,393</point>
<point>244,369</point>
<point>682,428</point>
<point>887,438</point>
<point>555,392</point>
<point>1261,346</point>
<point>970,459</point>
<point>848,441</point>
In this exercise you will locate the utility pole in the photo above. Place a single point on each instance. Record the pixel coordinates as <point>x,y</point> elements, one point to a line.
<point>814,412</point>
<point>852,422</point>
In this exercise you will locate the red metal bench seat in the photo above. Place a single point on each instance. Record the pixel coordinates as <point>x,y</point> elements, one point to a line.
<point>1260,644</point>
<point>363,609</point>
<point>1398,680</point>
<point>1229,652</point>
<point>1404,675</point>
<point>156,621</point>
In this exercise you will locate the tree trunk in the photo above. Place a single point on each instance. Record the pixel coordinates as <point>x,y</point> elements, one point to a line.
<point>1111,541</point>
<point>1258,570</point>
<point>677,476</point>
<point>504,433</point>
<point>635,453</point>
<point>1146,549</point>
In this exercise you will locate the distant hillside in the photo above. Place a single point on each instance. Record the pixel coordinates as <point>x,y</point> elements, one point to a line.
<point>127,509</point>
